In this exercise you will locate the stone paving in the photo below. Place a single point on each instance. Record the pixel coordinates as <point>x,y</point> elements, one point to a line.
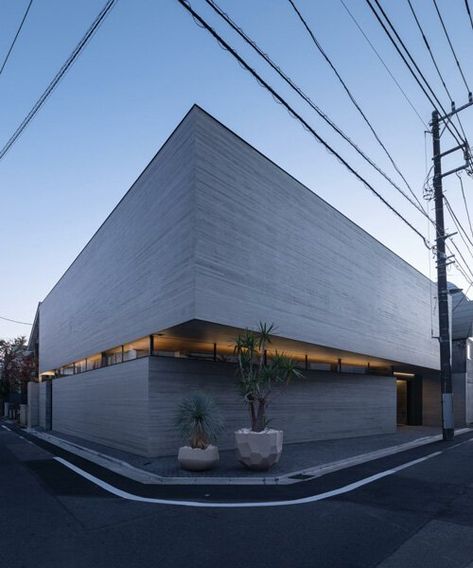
<point>295,457</point>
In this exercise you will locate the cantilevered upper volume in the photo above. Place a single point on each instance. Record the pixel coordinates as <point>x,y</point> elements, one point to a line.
<point>213,237</point>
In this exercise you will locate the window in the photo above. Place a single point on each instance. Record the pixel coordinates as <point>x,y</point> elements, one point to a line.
<point>136,349</point>
<point>113,356</point>
<point>94,362</point>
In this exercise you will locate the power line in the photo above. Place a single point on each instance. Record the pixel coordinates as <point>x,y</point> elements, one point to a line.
<point>306,98</point>
<point>461,230</point>
<point>351,97</point>
<point>15,321</point>
<point>465,202</point>
<point>65,67</point>
<point>12,45</point>
<point>294,113</point>
<point>463,259</point>
<point>427,45</point>
<point>463,298</point>
<point>469,13</point>
<point>455,134</point>
<point>451,47</point>
<point>376,52</point>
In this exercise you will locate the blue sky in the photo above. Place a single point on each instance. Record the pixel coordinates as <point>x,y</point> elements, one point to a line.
<point>147,65</point>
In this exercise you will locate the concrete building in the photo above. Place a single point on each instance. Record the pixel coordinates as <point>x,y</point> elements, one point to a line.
<point>210,239</point>
<point>462,357</point>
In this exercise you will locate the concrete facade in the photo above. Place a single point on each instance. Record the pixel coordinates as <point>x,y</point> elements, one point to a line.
<point>181,246</point>
<point>213,232</point>
<point>132,406</point>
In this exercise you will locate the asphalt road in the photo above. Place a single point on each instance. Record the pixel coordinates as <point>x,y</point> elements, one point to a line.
<point>399,517</point>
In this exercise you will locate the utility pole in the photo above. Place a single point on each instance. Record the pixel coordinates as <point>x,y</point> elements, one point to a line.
<point>442,261</point>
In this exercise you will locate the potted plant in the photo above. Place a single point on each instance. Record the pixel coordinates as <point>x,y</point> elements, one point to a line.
<point>199,423</point>
<point>259,447</point>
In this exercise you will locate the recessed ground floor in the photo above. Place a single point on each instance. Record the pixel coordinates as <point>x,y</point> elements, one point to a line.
<point>132,406</point>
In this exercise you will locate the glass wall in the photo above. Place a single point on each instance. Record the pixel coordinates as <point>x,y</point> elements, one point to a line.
<point>136,349</point>
<point>187,348</point>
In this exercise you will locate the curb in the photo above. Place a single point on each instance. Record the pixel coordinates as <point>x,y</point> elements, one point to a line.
<point>136,474</point>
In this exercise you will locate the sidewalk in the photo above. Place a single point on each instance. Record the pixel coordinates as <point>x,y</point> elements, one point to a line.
<point>299,461</point>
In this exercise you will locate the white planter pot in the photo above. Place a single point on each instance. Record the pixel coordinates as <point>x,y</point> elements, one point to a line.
<point>259,450</point>
<point>195,459</point>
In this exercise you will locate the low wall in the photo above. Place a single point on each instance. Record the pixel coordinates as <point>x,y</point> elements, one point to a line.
<point>32,418</point>
<point>320,406</point>
<point>108,406</point>
<point>44,411</point>
<point>132,406</point>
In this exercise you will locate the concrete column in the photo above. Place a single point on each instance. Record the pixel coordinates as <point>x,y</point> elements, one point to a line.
<point>23,414</point>
<point>32,415</point>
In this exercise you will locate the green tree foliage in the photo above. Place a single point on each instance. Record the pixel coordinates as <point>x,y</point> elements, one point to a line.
<point>17,365</point>
<point>259,373</point>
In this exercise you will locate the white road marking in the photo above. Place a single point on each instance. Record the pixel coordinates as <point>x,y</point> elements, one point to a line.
<point>208,504</point>
<point>6,427</point>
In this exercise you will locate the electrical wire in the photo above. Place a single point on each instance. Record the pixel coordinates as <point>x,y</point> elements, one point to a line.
<point>15,321</point>
<point>469,13</point>
<point>352,98</point>
<point>461,230</point>
<point>378,55</point>
<point>307,99</point>
<point>451,46</point>
<point>455,134</point>
<point>59,75</point>
<point>465,202</point>
<point>203,23</point>
<point>463,298</point>
<point>18,31</point>
<point>427,45</point>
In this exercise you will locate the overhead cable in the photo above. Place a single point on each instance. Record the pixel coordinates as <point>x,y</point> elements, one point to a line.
<point>447,35</point>
<point>15,321</point>
<point>431,96</point>
<point>378,55</point>
<point>307,99</point>
<point>18,31</point>
<point>59,75</point>
<point>352,98</point>
<point>429,49</point>
<point>203,23</point>
<point>465,203</point>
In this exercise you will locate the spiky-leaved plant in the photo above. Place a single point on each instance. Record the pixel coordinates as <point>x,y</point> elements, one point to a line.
<point>198,420</point>
<point>259,372</point>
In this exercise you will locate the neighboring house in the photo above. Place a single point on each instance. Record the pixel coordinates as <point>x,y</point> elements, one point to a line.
<point>212,238</point>
<point>462,357</point>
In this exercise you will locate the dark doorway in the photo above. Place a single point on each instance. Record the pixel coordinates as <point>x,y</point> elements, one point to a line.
<point>401,388</point>
<point>409,401</point>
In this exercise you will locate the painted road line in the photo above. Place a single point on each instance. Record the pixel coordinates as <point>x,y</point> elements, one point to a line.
<point>208,504</point>
<point>6,427</point>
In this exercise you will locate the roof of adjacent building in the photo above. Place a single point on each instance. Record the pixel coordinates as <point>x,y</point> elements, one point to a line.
<point>462,316</point>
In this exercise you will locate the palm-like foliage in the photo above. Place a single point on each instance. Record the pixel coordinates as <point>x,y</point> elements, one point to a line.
<point>258,374</point>
<point>198,420</point>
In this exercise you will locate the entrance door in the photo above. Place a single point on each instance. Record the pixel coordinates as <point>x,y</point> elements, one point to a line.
<point>402,412</point>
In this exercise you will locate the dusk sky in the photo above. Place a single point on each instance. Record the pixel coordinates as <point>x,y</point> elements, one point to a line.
<point>149,63</point>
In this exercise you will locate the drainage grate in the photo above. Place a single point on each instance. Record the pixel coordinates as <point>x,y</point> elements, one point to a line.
<point>301,476</point>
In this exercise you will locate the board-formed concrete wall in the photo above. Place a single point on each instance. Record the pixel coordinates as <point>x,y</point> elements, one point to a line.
<point>320,406</point>
<point>134,277</point>
<point>133,406</point>
<point>108,406</point>
<point>270,249</point>
<point>213,230</point>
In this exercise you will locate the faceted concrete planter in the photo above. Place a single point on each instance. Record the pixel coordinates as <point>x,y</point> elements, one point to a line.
<point>259,450</point>
<point>195,459</point>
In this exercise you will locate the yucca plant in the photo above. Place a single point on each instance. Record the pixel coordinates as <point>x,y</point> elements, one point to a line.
<point>259,373</point>
<point>198,420</point>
